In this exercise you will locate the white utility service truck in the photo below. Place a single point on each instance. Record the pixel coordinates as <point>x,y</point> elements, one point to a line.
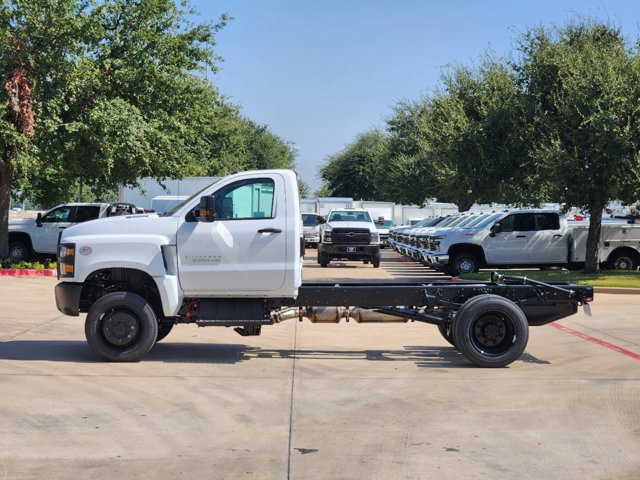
<point>233,255</point>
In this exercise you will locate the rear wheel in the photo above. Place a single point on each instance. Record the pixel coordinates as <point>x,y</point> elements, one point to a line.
<point>121,327</point>
<point>623,261</point>
<point>491,331</point>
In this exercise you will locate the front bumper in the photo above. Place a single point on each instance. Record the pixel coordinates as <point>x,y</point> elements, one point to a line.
<point>350,251</point>
<point>68,298</point>
<point>438,262</point>
<point>311,239</point>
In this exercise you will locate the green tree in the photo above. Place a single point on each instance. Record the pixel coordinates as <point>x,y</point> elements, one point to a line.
<point>353,171</point>
<point>582,84</point>
<point>107,91</point>
<point>462,143</point>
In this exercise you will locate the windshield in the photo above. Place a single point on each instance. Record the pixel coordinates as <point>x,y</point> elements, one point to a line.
<point>173,210</point>
<point>490,219</point>
<point>349,216</point>
<point>309,219</point>
<point>384,224</point>
<point>476,221</point>
<point>452,221</point>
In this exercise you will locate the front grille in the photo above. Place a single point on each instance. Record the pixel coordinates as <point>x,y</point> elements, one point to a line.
<point>353,236</point>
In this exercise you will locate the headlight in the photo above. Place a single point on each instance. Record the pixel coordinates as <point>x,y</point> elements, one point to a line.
<point>375,238</point>
<point>66,259</point>
<point>326,236</point>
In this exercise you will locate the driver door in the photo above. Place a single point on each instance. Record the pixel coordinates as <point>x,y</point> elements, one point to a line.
<point>45,236</point>
<point>244,248</point>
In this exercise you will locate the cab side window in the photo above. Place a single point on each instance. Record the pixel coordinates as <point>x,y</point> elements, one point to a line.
<point>86,213</point>
<point>518,222</point>
<point>245,199</point>
<point>62,214</point>
<point>547,221</point>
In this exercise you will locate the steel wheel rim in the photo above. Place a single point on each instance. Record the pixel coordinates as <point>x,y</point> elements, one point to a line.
<point>119,328</point>
<point>466,266</point>
<point>623,263</point>
<point>492,333</point>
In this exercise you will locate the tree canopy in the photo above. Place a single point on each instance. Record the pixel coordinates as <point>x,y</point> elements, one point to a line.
<point>353,171</point>
<point>559,123</point>
<point>107,92</point>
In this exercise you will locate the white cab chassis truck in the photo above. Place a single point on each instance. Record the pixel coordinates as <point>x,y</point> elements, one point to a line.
<point>232,256</point>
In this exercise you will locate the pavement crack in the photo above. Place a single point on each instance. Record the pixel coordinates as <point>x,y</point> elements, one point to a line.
<point>293,379</point>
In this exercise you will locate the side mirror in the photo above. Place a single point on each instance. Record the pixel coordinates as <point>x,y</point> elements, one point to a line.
<point>495,228</point>
<point>39,219</point>
<point>320,220</point>
<point>205,212</point>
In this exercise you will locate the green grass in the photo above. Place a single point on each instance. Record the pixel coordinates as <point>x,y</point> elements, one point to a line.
<point>603,279</point>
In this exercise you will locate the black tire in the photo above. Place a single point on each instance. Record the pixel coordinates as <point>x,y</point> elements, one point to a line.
<point>490,331</point>
<point>19,251</point>
<point>623,261</point>
<point>375,260</point>
<point>446,330</point>
<point>121,327</point>
<point>164,328</point>
<point>324,259</point>
<point>365,261</point>
<point>464,263</point>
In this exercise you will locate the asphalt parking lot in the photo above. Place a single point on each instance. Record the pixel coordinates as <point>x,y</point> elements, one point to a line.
<point>305,401</point>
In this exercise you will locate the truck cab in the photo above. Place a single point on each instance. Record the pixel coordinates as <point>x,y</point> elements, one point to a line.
<point>247,242</point>
<point>349,234</point>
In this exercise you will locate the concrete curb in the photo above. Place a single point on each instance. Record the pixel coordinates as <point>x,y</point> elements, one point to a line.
<point>27,272</point>
<point>616,290</point>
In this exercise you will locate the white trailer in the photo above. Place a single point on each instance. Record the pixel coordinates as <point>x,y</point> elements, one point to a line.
<point>377,210</point>
<point>163,203</point>
<point>308,205</point>
<point>150,188</point>
<point>326,204</point>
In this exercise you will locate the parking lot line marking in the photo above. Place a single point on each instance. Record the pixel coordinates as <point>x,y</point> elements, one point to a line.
<point>602,343</point>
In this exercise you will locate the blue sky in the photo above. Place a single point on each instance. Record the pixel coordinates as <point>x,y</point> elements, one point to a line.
<point>318,73</point>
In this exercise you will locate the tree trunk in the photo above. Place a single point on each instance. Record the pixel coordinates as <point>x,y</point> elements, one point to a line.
<point>592,260</point>
<point>464,204</point>
<point>6,176</point>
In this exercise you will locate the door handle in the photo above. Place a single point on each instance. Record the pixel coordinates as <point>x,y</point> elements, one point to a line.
<point>557,236</point>
<point>521,236</point>
<point>270,230</point>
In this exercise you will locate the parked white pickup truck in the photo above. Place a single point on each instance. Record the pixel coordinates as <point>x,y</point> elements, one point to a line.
<point>233,256</point>
<point>526,238</point>
<point>39,236</point>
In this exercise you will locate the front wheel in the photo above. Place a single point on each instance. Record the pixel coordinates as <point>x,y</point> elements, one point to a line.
<point>164,328</point>
<point>121,327</point>
<point>490,331</point>
<point>375,260</point>
<point>19,251</point>
<point>464,263</point>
